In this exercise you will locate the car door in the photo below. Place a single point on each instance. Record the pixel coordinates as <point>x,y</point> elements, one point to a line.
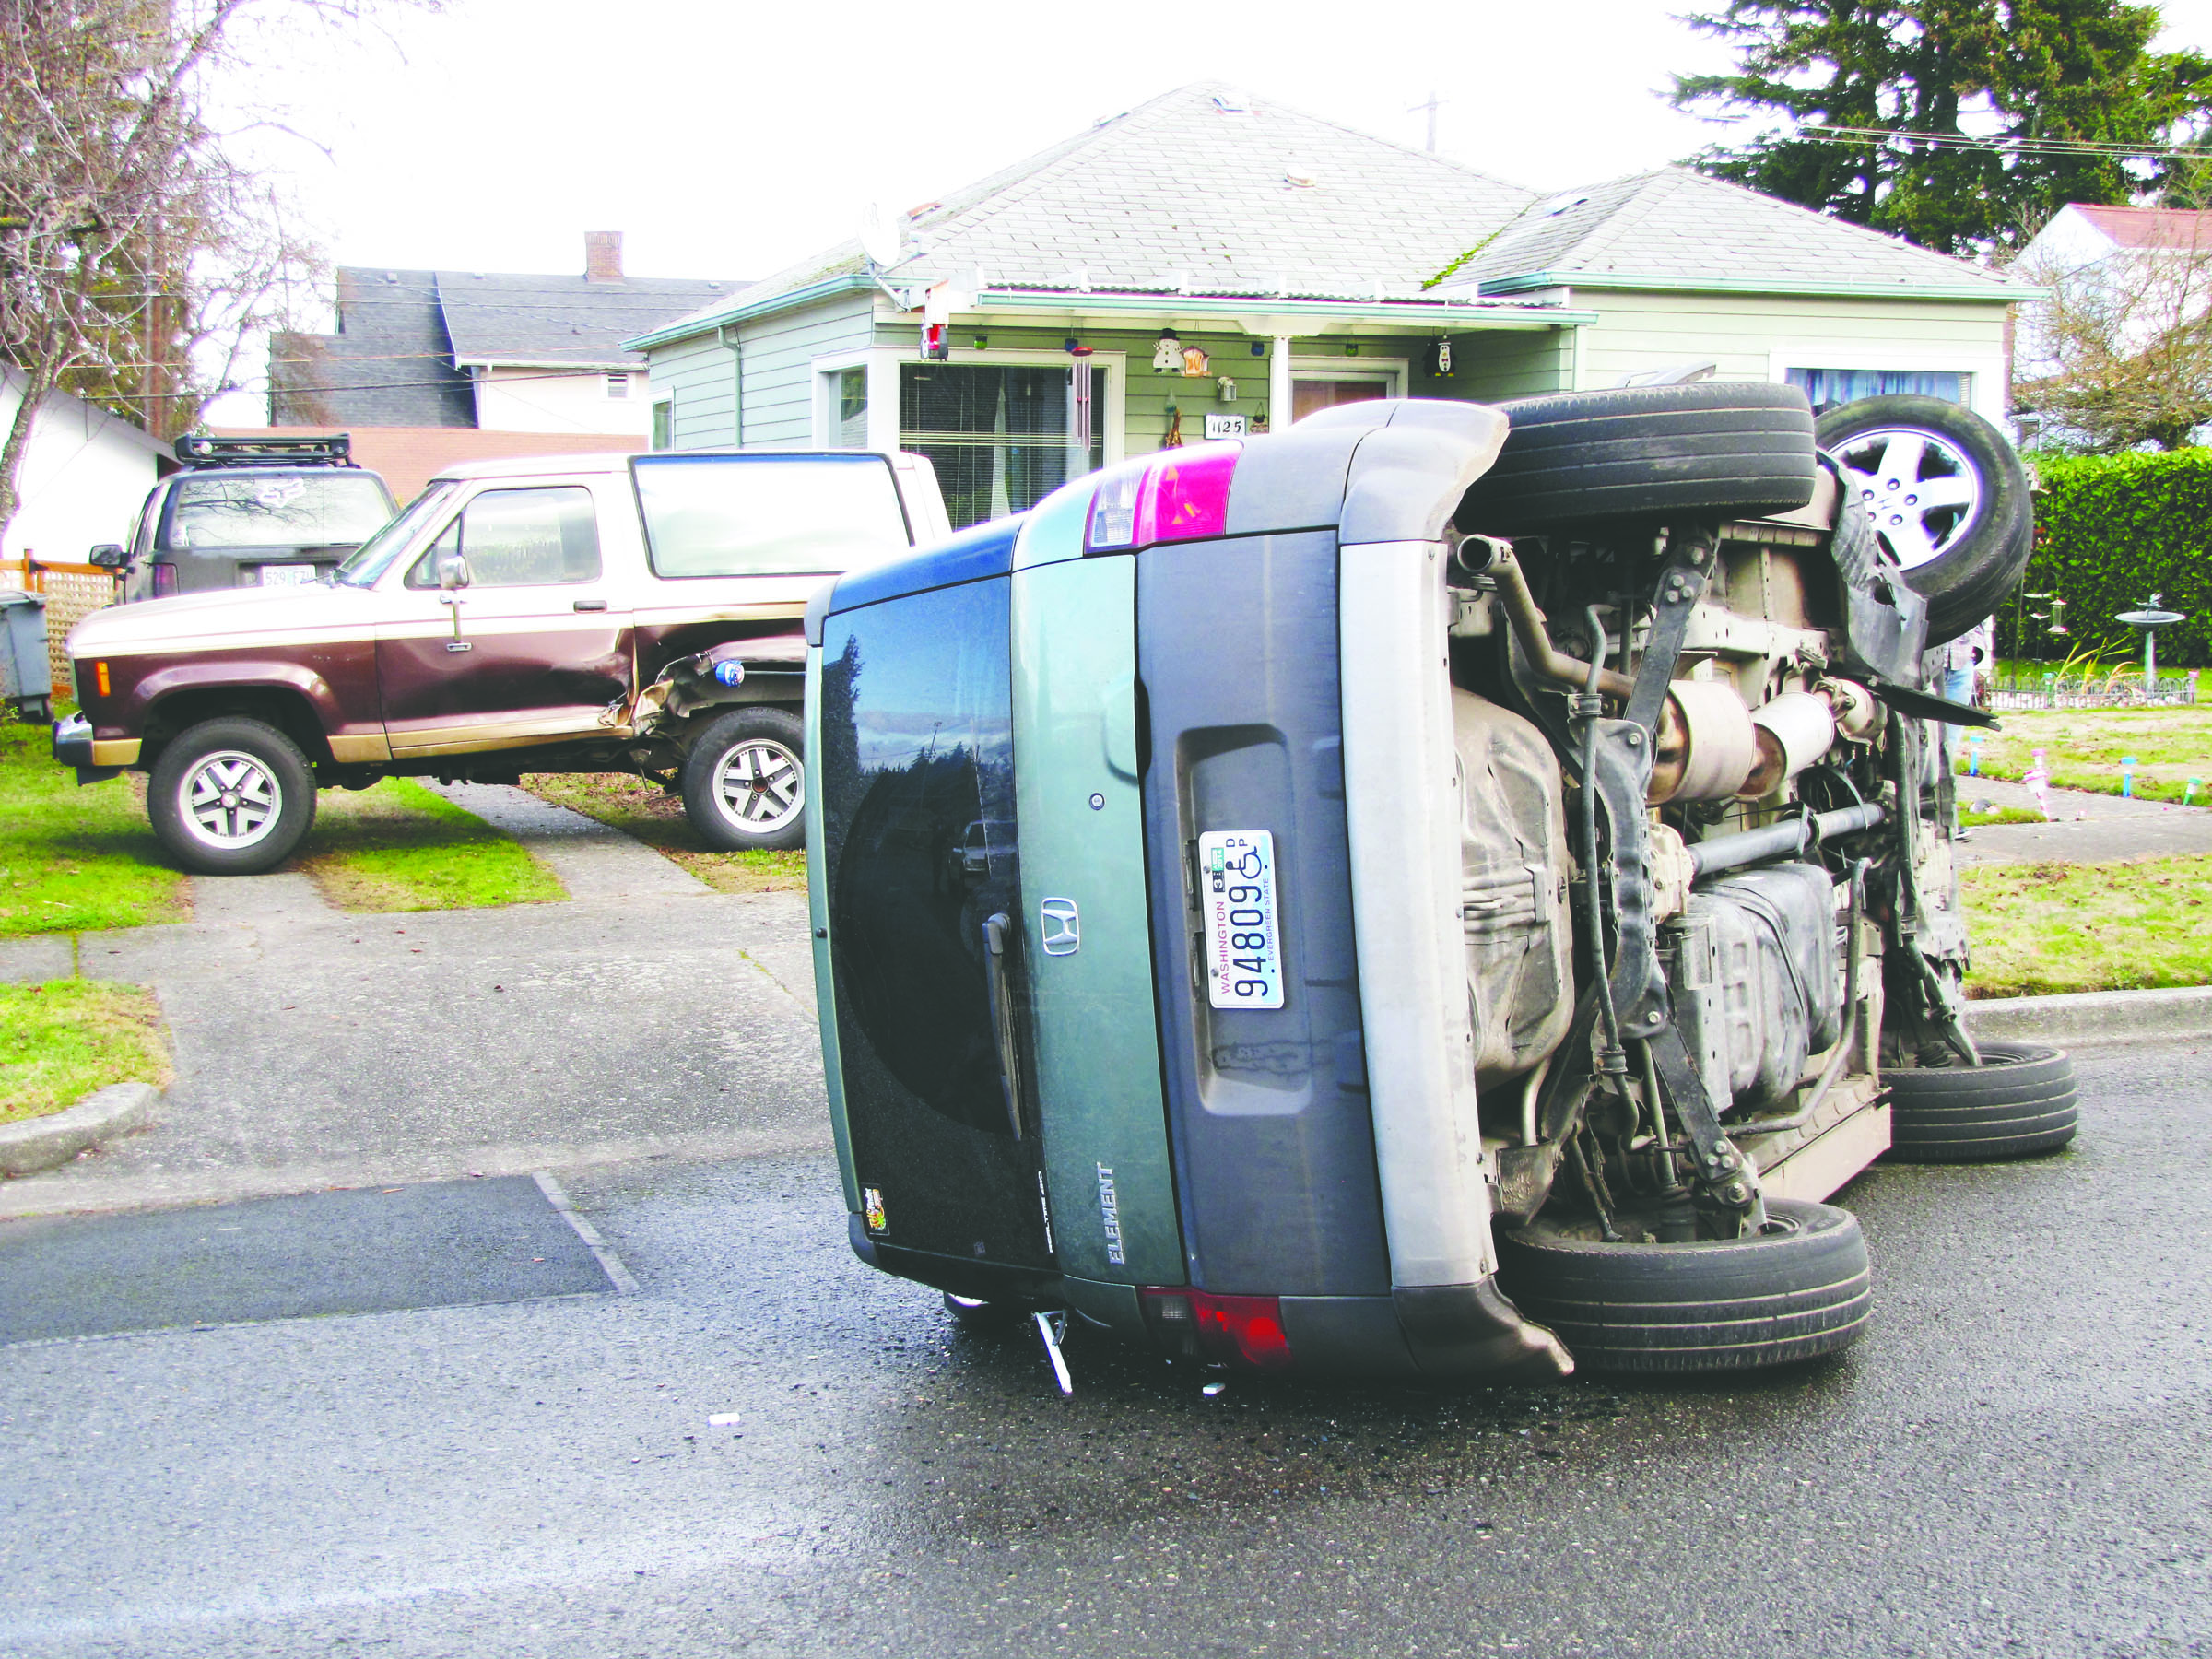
<point>533,647</point>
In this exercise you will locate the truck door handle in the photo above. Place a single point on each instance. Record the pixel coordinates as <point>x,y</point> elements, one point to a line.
<point>589,604</point>
<point>996,930</point>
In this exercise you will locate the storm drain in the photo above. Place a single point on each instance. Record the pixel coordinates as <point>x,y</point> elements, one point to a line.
<point>438,1245</point>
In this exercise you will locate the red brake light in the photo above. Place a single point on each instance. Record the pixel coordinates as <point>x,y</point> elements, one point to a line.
<point>165,580</point>
<point>1182,495</point>
<point>1237,1330</point>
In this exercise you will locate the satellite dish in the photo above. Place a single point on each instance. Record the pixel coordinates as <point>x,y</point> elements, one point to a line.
<point>878,235</point>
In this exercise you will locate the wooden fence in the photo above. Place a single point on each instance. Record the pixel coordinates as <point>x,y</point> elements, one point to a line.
<point>73,593</point>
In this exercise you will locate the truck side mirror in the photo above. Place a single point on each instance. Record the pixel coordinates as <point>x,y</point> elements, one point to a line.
<point>110,555</point>
<point>453,572</point>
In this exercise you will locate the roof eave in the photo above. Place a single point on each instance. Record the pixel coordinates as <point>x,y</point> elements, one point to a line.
<point>1991,293</point>
<point>844,283</point>
<point>582,365</point>
<point>1413,313</point>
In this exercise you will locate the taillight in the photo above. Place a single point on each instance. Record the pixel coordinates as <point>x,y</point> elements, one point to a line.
<point>1233,1330</point>
<point>1180,495</point>
<point>165,581</point>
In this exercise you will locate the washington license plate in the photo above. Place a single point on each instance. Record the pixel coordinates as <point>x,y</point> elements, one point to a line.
<point>1236,889</point>
<point>300,575</point>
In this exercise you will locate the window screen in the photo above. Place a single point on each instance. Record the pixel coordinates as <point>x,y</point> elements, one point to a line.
<point>520,538</point>
<point>767,515</point>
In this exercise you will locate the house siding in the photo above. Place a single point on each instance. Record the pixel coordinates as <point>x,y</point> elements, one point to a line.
<point>698,375</point>
<point>1758,336</point>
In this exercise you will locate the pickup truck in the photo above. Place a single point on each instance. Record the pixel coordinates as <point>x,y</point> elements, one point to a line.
<point>598,613</point>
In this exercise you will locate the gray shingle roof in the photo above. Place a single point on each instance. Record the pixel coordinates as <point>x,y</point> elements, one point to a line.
<point>510,318</point>
<point>1181,193</point>
<point>389,362</point>
<point>1685,229</point>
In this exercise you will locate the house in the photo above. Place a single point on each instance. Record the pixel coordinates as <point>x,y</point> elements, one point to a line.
<point>84,475</point>
<point>483,349</point>
<point>1211,263</point>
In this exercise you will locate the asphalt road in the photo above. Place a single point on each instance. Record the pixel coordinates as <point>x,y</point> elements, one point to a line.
<point>2013,1462</point>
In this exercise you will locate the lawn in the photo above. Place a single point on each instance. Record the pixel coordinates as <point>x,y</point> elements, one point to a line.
<point>61,1040</point>
<point>2083,748</point>
<point>399,847</point>
<point>2043,928</point>
<point>644,810</point>
<point>73,860</point>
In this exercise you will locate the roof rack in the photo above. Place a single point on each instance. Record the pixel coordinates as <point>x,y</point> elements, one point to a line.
<point>334,450</point>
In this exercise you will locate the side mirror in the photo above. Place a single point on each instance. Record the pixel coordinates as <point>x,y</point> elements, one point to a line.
<point>453,572</point>
<point>110,555</point>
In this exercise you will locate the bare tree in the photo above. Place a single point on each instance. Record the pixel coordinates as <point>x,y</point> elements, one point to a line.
<point>138,247</point>
<point>2121,353</point>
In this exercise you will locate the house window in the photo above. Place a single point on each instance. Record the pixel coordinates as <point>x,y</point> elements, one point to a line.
<point>1829,387</point>
<point>848,394</point>
<point>999,435</point>
<point>663,423</point>
<point>618,386</point>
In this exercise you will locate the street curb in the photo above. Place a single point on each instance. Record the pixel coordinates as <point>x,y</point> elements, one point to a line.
<point>2089,1016</point>
<point>46,1143</point>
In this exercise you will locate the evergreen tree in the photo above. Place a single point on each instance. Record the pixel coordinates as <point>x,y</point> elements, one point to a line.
<point>2012,73</point>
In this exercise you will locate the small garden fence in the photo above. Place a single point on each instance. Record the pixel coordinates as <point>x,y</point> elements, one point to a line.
<point>73,593</point>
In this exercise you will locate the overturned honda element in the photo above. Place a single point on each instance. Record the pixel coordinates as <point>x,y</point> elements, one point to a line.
<point>1439,890</point>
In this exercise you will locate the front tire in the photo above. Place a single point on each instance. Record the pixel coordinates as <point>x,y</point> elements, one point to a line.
<point>745,780</point>
<point>1944,493</point>
<point>231,796</point>
<point>2020,1100</point>
<point>1797,1291</point>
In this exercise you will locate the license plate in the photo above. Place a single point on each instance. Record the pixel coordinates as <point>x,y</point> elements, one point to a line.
<point>1244,959</point>
<point>288,575</point>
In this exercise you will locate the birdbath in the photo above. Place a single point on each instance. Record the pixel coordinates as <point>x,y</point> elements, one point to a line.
<point>2150,618</point>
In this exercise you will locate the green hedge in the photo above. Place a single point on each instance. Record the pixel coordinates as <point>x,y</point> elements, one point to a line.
<point>2110,530</point>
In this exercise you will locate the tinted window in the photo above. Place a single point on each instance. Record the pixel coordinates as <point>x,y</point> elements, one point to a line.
<point>764,515</point>
<point>276,509</point>
<point>918,796</point>
<point>520,538</point>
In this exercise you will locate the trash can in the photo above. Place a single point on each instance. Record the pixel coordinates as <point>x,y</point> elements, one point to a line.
<point>26,676</point>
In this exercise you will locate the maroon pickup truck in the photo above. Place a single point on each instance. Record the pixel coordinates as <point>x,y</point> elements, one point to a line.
<point>599,613</point>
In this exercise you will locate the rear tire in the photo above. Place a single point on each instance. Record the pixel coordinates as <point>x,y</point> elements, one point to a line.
<point>231,796</point>
<point>2020,1100</point>
<point>1738,448</point>
<point>1962,555</point>
<point>745,780</point>
<point>1797,1291</point>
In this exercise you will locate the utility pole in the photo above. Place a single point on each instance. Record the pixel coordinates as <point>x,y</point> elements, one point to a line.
<point>1434,104</point>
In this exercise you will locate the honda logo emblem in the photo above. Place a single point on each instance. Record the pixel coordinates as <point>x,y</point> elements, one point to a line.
<point>1063,927</point>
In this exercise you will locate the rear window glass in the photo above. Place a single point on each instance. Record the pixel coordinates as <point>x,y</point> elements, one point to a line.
<point>767,515</point>
<point>277,510</point>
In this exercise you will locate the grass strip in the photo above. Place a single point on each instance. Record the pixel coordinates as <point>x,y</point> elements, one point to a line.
<point>74,860</point>
<point>400,847</point>
<point>1970,819</point>
<point>2083,748</point>
<point>61,1040</point>
<point>642,810</point>
<point>2043,928</point>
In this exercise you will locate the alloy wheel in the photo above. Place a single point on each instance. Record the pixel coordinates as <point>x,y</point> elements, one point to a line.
<point>759,785</point>
<point>229,800</point>
<point>1922,493</point>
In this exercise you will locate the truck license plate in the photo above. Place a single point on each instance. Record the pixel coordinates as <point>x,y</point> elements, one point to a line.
<point>294,575</point>
<point>1236,878</point>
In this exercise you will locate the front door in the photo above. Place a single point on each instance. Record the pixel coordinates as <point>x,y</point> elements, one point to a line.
<point>533,648</point>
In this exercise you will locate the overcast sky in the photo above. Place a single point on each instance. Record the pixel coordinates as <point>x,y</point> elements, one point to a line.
<point>726,140</point>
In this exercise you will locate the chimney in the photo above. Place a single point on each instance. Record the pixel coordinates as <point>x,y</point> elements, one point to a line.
<point>602,255</point>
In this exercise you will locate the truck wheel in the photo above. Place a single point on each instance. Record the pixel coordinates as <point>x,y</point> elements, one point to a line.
<point>744,784</point>
<point>2020,1100</point>
<point>231,796</point>
<point>1796,1292</point>
<point>1737,447</point>
<point>1944,493</point>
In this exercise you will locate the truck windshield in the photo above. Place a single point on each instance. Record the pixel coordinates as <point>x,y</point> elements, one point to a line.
<point>767,515</point>
<point>374,557</point>
<point>276,509</point>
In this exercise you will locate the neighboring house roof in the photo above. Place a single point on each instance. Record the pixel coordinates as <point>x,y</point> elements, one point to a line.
<point>2147,228</point>
<point>408,457</point>
<point>1200,191</point>
<point>1676,229</point>
<point>405,339</point>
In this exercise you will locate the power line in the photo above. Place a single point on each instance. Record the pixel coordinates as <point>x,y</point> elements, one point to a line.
<point>2093,147</point>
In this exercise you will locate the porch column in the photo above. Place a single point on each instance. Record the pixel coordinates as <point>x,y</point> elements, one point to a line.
<point>1279,414</point>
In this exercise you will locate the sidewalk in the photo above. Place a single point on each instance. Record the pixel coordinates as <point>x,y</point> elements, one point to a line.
<point>647,1016</point>
<point>2087,826</point>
